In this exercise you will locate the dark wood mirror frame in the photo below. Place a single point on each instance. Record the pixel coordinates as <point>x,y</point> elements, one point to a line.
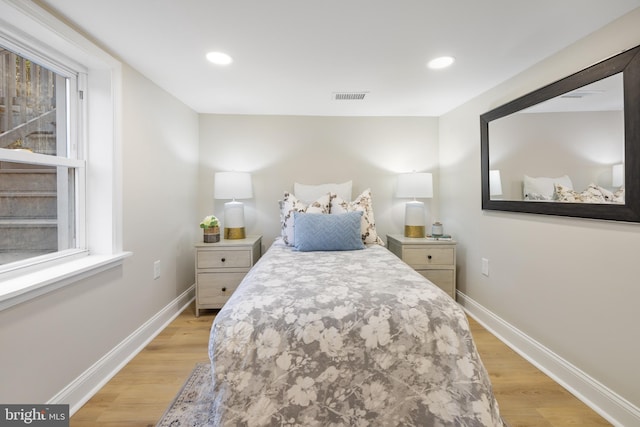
<point>627,63</point>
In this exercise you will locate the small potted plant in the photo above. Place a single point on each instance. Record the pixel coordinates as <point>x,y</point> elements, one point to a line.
<point>211,227</point>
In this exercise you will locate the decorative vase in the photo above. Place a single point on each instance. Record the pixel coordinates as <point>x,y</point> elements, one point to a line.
<point>212,235</point>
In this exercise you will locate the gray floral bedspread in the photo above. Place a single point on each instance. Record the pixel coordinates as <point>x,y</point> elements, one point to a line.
<point>353,338</point>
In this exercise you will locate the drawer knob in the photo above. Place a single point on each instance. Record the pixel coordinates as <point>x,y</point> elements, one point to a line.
<point>223,259</point>
<point>224,289</point>
<point>428,256</point>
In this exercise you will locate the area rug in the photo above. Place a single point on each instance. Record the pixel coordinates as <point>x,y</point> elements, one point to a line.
<point>192,405</point>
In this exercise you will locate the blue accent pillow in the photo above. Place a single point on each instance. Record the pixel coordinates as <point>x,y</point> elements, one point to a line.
<point>322,232</point>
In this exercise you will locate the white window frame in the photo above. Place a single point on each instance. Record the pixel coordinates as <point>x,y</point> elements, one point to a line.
<point>70,141</point>
<point>30,31</point>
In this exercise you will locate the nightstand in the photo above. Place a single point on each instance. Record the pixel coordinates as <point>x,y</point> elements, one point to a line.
<point>221,266</point>
<point>434,259</point>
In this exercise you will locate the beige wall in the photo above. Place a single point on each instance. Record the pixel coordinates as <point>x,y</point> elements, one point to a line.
<point>281,150</point>
<point>49,341</point>
<point>160,155</point>
<point>570,284</point>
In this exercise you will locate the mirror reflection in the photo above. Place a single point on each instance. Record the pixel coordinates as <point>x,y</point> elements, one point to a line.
<point>567,149</point>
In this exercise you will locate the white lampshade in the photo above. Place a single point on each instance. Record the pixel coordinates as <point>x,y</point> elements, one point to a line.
<point>414,185</point>
<point>233,185</point>
<point>617,175</point>
<point>495,183</point>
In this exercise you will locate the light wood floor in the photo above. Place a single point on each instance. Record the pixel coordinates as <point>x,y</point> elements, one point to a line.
<point>140,393</point>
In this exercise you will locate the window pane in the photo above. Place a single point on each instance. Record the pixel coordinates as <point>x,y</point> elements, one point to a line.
<point>37,202</point>
<point>32,106</point>
<point>36,210</point>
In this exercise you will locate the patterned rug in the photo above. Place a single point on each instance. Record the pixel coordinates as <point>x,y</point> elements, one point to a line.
<point>192,405</point>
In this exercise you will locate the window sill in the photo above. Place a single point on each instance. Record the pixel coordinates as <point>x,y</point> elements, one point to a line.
<point>25,287</point>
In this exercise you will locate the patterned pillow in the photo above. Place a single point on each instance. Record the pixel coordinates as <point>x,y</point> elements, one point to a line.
<point>291,204</point>
<point>610,196</point>
<point>592,194</point>
<point>362,203</point>
<point>536,196</point>
<point>327,232</point>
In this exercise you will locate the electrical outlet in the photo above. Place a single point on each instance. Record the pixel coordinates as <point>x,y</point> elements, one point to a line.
<point>485,267</point>
<point>156,270</point>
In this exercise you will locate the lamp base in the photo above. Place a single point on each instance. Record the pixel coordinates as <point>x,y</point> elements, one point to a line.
<point>234,233</point>
<point>414,231</point>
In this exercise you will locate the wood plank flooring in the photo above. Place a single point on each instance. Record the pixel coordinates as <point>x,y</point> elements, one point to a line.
<point>526,396</point>
<point>140,393</point>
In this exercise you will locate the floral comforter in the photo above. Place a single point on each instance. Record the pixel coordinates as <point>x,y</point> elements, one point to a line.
<point>354,338</point>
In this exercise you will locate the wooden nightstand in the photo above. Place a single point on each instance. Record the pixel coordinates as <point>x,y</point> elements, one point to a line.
<point>434,259</point>
<point>220,268</point>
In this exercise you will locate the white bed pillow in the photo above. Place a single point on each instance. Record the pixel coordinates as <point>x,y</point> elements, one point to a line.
<point>291,204</point>
<point>362,203</point>
<point>542,188</point>
<point>308,193</point>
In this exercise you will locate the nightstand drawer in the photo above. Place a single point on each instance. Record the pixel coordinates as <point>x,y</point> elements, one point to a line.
<point>218,284</point>
<point>224,259</point>
<point>442,279</point>
<point>417,257</point>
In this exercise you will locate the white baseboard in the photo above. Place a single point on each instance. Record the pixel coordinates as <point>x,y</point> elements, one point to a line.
<point>80,390</point>
<point>604,401</point>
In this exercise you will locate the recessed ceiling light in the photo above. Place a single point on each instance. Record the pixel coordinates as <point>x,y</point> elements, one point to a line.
<point>219,58</point>
<point>441,62</point>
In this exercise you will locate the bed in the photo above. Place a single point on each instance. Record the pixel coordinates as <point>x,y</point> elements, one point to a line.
<point>344,338</point>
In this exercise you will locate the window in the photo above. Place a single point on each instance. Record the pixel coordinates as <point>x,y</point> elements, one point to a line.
<point>40,165</point>
<point>59,95</point>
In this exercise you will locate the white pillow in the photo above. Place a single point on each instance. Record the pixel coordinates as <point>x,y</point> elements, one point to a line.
<point>542,188</point>
<point>309,193</point>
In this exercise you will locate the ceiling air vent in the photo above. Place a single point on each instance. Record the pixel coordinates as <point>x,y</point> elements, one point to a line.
<point>581,93</point>
<point>349,96</point>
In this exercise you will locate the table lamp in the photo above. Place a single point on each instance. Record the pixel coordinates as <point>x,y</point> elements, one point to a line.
<point>617,176</point>
<point>414,185</point>
<point>495,183</point>
<point>233,185</point>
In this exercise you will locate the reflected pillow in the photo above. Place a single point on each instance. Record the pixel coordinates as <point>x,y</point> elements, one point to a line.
<point>542,188</point>
<point>592,194</point>
<point>327,232</point>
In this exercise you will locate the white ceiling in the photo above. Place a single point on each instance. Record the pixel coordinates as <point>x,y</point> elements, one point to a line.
<point>291,55</point>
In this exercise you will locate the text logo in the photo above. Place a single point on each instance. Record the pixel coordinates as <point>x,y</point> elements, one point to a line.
<point>34,415</point>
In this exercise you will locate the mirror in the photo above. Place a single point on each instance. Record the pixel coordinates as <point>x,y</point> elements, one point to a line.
<point>571,148</point>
